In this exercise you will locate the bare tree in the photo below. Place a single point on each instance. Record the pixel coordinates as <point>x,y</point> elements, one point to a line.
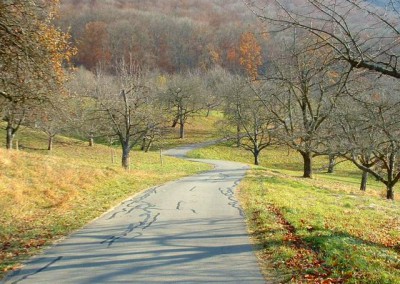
<point>307,85</point>
<point>370,133</point>
<point>246,114</point>
<point>184,98</point>
<point>362,33</point>
<point>214,78</point>
<point>50,118</point>
<point>126,101</point>
<point>84,118</point>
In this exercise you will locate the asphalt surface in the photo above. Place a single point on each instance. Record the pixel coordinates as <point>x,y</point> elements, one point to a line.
<point>188,231</point>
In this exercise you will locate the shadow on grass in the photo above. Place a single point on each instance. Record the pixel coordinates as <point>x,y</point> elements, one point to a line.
<point>345,255</point>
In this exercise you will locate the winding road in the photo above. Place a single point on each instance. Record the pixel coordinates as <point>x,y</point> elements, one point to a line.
<point>188,231</point>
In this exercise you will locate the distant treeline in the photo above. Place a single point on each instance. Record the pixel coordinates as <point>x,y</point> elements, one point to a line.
<point>171,36</point>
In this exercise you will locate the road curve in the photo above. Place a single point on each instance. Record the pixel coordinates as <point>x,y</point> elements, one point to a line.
<point>188,231</point>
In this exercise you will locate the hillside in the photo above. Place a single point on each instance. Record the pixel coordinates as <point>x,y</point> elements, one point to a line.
<point>170,36</point>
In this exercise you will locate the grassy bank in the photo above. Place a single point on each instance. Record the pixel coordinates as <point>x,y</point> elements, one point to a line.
<point>48,194</point>
<point>288,162</point>
<point>317,230</point>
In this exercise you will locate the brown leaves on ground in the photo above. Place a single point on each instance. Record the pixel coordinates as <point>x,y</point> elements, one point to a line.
<point>306,259</point>
<point>12,248</point>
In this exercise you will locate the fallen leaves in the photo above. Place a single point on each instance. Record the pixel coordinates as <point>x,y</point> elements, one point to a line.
<point>305,259</point>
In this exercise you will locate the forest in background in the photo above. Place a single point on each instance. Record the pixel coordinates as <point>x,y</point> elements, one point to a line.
<point>170,36</point>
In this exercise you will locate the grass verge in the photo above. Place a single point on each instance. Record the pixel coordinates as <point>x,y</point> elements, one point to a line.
<point>313,234</point>
<point>321,230</point>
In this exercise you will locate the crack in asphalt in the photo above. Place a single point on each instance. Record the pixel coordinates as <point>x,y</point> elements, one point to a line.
<point>137,203</point>
<point>229,193</point>
<point>150,223</point>
<point>133,203</point>
<point>178,206</point>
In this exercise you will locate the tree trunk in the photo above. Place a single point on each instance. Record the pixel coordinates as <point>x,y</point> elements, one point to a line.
<point>50,144</point>
<point>256,155</point>
<point>390,192</point>
<point>307,160</point>
<point>331,165</point>
<point>364,179</point>
<point>143,146</point>
<point>9,137</point>
<point>125,157</point>
<point>181,130</point>
<point>91,140</point>
<point>148,146</point>
<point>174,122</point>
<point>238,139</point>
<point>181,117</point>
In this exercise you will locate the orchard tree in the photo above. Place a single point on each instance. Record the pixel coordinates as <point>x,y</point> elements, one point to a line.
<point>126,101</point>
<point>365,34</point>
<point>234,90</point>
<point>14,114</point>
<point>50,118</point>
<point>214,79</point>
<point>32,53</point>
<point>246,114</point>
<point>370,132</point>
<point>184,98</point>
<point>84,118</point>
<point>306,85</point>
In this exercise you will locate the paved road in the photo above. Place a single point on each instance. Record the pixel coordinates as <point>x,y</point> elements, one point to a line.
<point>187,231</point>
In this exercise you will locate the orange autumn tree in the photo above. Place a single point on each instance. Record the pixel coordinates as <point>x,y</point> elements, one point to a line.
<point>250,54</point>
<point>94,46</point>
<point>32,54</point>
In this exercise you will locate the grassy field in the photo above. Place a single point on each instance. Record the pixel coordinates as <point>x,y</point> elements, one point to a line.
<point>198,129</point>
<point>47,194</point>
<point>286,161</point>
<point>322,230</point>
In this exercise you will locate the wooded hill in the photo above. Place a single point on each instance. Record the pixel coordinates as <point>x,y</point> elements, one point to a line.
<point>171,36</point>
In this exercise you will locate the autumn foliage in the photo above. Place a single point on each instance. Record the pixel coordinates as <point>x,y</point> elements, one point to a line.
<point>94,46</point>
<point>169,36</point>
<point>28,34</point>
<point>250,54</point>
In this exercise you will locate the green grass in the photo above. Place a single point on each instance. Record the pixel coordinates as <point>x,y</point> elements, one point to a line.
<point>198,129</point>
<point>47,194</point>
<point>312,230</point>
<point>356,238</point>
<point>288,162</point>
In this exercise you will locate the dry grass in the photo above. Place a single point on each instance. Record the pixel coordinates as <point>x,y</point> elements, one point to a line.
<point>47,194</point>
